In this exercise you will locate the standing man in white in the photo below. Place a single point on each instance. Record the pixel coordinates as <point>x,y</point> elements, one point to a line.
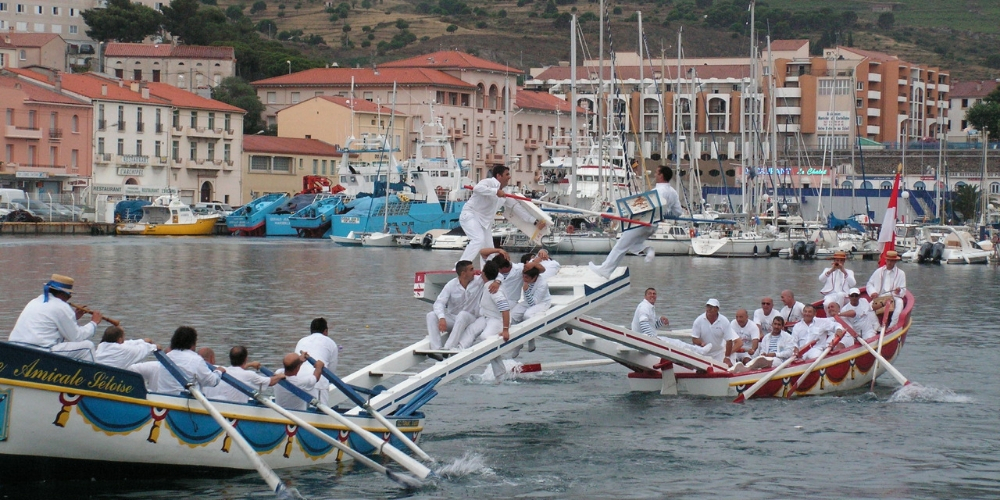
<point>478,213</point>
<point>837,280</point>
<point>634,240</point>
<point>889,280</point>
<point>322,348</point>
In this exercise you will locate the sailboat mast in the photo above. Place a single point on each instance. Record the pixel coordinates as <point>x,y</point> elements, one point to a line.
<point>572,113</point>
<point>772,125</point>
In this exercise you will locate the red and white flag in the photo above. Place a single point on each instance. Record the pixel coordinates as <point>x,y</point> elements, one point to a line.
<point>887,235</point>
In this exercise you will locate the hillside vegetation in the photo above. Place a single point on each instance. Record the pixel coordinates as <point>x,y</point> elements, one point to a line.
<point>962,36</point>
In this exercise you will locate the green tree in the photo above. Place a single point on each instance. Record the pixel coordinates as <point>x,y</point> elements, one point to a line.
<point>550,9</point>
<point>122,21</point>
<point>986,115</point>
<point>966,201</point>
<point>258,6</point>
<point>848,19</point>
<point>563,21</point>
<point>237,92</point>
<point>886,20</point>
<point>402,24</point>
<point>993,61</point>
<point>185,19</point>
<point>234,12</point>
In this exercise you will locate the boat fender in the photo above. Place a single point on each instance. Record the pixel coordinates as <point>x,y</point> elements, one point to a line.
<point>692,232</point>
<point>755,250</point>
<point>767,249</point>
<point>427,241</point>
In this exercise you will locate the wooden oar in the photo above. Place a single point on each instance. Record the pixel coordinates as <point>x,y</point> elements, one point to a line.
<point>362,402</point>
<point>418,469</point>
<point>767,378</point>
<point>809,369</point>
<point>888,367</point>
<point>881,335</point>
<point>403,479</point>
<point>263,469</point>
<point>580,210</point>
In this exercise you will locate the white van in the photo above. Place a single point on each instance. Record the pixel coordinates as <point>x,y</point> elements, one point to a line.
<point>6,195</point>
<point>207,208</point>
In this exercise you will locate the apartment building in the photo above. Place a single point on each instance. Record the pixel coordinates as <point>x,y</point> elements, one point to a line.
<point>26,50</point>
<point>278,164</point>
<point>152,139</point>
<point>819,103</point>
<point>963,96</point>
<point>543,121</point>
<point>468,94</point>
<point>57,17</point>
<point>206,141</point>
<point>183,66</point>
<point>46,138</point>
<point>335,119</point>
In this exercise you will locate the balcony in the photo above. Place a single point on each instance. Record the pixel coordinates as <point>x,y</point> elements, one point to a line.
<point>15,132</point>
<point>140,127</point>
<point>943,105</point>
<point>791,128</point>
<point>204,132</point>
<point>931,102</point>
<point>903,82</point>
<point>873,129</point>
<point>102,124</point>
<point>874,112</point>
<point>121,126</point>
<point>178,129</point>
<point>531,144</point>
<point>55,134</point>
<point>943,87</point>
<point>874,94</point>
<point>788,110</point>
<point>160,160</point>
<point>494,159</point>
<point>493,139</point>
<point>788,92</point>
<point>227,164</point>
<point>134,160</point>
<point>103,157</point>
<point>228,133</point>
<point>159,128</point>
<point>874,77</point>
<point>455,134</point>
<point>901,98</point>
<point>931,86</point>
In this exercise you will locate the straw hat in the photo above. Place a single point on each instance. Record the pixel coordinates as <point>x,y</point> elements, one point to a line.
<point>892,255</point>
<point>60,283</point>
<point>840,254</point>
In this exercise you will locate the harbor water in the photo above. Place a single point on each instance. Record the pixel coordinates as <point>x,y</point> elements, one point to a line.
<point>565,434</point>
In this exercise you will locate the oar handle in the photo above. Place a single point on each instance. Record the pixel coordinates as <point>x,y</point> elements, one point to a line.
<point>341,385</point>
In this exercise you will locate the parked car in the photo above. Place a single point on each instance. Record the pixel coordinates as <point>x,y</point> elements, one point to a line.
<point>75,212</point>
<point>47,212</point>
<point>214,207</point>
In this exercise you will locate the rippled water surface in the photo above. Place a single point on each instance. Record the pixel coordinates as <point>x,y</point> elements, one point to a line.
<point>567,434</point>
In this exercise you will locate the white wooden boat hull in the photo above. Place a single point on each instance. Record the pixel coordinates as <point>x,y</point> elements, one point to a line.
<point>351,240</point>
<point>731,247</point>
<point>580,244</point>
<point>378,240</point>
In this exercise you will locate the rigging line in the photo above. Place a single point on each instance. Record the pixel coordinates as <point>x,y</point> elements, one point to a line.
<point>722,168</point>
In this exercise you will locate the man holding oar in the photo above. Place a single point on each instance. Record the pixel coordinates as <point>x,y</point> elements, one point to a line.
<point>192,365</point>
<point>634,239</point>
<point>48,322</point>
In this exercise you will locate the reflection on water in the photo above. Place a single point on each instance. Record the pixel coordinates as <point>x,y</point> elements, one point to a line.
<point>564,433</point>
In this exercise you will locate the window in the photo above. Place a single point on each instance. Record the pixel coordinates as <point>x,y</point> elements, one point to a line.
<point>55,11</point>
<point>53,154</point>
<point>137,74</point>
<point>38,9</point>
<point>175,150</point>
<point>121,147</point>
<point>229,122</point>
<point>31,155</point>
<point>138,119</point>
<point>156,75</point>
<point>57,28</point>
<point>193,152</point>
<point>919,186</point>
<point>100,145</point>
<point>194,119</point>
<point>315,167</point>
<point>53,120</point>
<point>31,120</point>
<point>121,118</point>
<point>74,158</point>
<point>180,81</point>
<point>227,152</point>
<point>20,8</point>
<point>965,103</point>
<point>73,12</point>
<point>101,122</point>
<point>211,151</point>
<point>859,103</point>
<point>281,164</point>
<point>272,97</point>
<point>324,167</point>
<point>177,119</point>
<point>157,149</point>
<point>3,7</point>
<point>211,121</point>
<point>847,185</point>
<point>10,116</point>
<point>861,86</point>
<point>369,97</point>
<point>995,188</point>
<point>75,123</point>
<point>837,87</point>
<point>295,97</point>
<point>260,163</point>
<point>73,30</point>
<point>138,148</point>
<point>886,185</point>
<point>10,153</point>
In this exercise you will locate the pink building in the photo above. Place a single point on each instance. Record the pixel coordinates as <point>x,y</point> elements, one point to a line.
<point>47,138</point>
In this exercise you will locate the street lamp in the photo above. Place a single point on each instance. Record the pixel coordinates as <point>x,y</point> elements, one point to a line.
<point>289,67</point>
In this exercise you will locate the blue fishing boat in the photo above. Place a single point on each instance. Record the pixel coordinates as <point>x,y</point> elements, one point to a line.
<point>251,219</point>
<point>399,214</point>
<point>316,220</point>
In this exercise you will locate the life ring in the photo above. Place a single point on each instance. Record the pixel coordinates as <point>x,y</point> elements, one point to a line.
<point>427,241</point>
<point>692,232</point>
<point>570,229</point>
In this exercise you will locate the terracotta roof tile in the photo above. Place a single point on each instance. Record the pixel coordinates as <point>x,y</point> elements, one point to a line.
<point>341,77</point>
<point>874,56</point>
<point>784,45</point>
<point>632,72</point>
<point>30,39</point>
<point>38,93</point>
<point>544,101</point>
<point>288,145</point>
<point>975,88</point>
<point>184,99</point>
<point>451,59</point>
<point>89,85</point>
<point>165,50</point>
<point>360,105</point>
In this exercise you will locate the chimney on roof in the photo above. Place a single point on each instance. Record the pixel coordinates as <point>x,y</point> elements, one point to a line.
<point>145,92</point>
<point>104,89</point>
<point>121,84</point>
<point>134,86</point>
<point>58,81</point>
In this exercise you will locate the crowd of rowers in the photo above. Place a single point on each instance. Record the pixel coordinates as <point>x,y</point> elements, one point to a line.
<point>50,323</point>
<point>470,310</point>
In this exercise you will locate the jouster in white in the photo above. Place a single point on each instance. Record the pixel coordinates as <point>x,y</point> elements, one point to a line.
<point>460,295</point>
<point>634,240</point>
<point>478,213</point>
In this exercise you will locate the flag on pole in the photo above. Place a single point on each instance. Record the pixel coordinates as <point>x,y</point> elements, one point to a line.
<point>887,235</point>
